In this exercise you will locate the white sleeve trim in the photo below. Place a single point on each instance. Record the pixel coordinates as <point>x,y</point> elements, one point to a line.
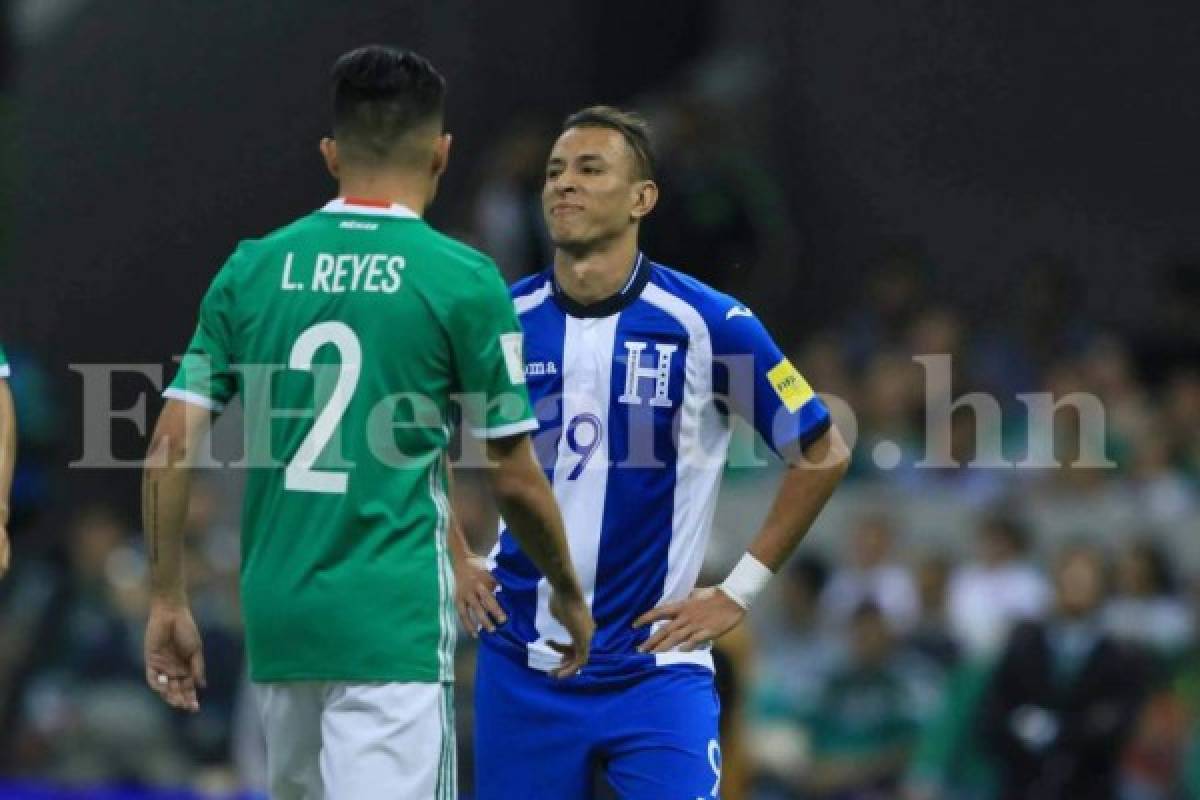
<point>500,431</point>
<point>195,398</point>
<point>4,371</point>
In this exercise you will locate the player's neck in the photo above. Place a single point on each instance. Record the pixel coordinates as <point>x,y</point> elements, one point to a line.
<point>405,191</point>
<point>597,274</point>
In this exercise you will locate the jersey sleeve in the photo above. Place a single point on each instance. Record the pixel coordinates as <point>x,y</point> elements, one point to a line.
<point>4,369</point>
<point>205,377</point>
<point>488,345</point>
<point>752,375</point>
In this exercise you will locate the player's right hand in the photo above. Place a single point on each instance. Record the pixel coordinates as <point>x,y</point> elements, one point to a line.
<point>475,596</point>
<point>173,653</point>
<point>571,609</point>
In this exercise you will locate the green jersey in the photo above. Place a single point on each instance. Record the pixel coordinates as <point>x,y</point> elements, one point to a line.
<point>4,370</point>
<point>346,334</point>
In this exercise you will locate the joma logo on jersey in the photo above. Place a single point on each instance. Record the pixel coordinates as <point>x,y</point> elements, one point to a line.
<point>635,373</point>
<point>540,368</point>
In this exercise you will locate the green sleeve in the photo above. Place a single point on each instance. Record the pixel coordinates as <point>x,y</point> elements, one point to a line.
<point>206,376</point>
<point>4,370</point>
<point>489,364</point>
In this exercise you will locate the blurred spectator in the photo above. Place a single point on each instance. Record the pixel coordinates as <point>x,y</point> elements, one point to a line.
<point>1065,694</point>
<point>1044,324</point>
<point>1108,371</point>
<point>999,588</point>
<point>1152,766</point>
<point>867,721</point>
<point>949,762</point>
<point>1172,337</point>
<point>940,331</point>
<point>717,215</point>
<point>796,655</point>
<point>967,478</point>
<point>508,206</point>
<point>888,405</point>
<point>932,637</point>
<point>1146,609</point>
<point>87,716</point>
<point>871,575</point>
<point>1185,687</point>
<point>1150,610</point>
<point>1073,480</point>
<point>895,287</point>
<point>1181,418</point>
<point>1155,486</point>
<point>822,360</point>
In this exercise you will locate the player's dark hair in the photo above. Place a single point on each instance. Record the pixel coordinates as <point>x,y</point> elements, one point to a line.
<point>632,127</point>
<point>380,95</point>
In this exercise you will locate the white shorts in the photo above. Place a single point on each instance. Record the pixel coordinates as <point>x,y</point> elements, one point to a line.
<point>339,741</point>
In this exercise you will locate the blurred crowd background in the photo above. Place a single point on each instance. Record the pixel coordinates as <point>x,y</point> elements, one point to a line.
<point>1010,186</point>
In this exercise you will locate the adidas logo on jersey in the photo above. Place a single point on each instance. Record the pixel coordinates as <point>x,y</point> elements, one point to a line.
<point>538,368</point>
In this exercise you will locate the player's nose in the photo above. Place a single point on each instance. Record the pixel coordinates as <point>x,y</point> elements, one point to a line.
<point>563,184</point>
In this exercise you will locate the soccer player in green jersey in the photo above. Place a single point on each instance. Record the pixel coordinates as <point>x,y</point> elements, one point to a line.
<point>345,334</point>
<point>8,457</point>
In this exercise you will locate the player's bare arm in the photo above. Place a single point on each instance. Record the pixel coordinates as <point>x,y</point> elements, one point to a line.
<point>710,612</point>
<point>174,659</point>
<point>527,504</point>
<point>474,586</point>
<point>8,458</point>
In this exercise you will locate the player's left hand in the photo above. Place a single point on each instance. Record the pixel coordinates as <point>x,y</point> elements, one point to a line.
<point>706,615</point>
<point>475,596</point>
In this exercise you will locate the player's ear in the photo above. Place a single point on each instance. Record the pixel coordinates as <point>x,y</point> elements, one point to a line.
<point>330,154</point>
<point>441,154</point>
<point>644,199</point>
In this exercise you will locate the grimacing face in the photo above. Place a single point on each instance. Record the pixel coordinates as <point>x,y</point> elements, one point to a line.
<point>592,192</point>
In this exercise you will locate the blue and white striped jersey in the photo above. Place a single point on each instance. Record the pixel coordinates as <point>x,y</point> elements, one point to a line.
<point>632,397</point>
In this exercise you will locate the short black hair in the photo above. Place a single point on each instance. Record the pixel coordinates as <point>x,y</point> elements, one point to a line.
<point>632,127</point>
<point>380,95</point>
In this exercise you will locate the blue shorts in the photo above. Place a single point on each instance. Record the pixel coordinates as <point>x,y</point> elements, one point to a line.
<point>653,736</point>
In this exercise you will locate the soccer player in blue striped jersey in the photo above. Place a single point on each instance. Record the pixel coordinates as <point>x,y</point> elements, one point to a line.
<point>633,369</point>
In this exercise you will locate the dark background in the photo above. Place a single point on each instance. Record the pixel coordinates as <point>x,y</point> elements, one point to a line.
<point>150,136</point>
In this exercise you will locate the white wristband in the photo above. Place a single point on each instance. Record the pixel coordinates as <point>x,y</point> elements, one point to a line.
<point>748,578</point>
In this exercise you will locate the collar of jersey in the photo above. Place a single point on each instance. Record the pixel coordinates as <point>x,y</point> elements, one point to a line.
<point>343,205</point>
<point>611,304</point>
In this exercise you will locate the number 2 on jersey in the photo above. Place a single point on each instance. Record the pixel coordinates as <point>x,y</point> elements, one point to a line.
<point>299,476</point>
